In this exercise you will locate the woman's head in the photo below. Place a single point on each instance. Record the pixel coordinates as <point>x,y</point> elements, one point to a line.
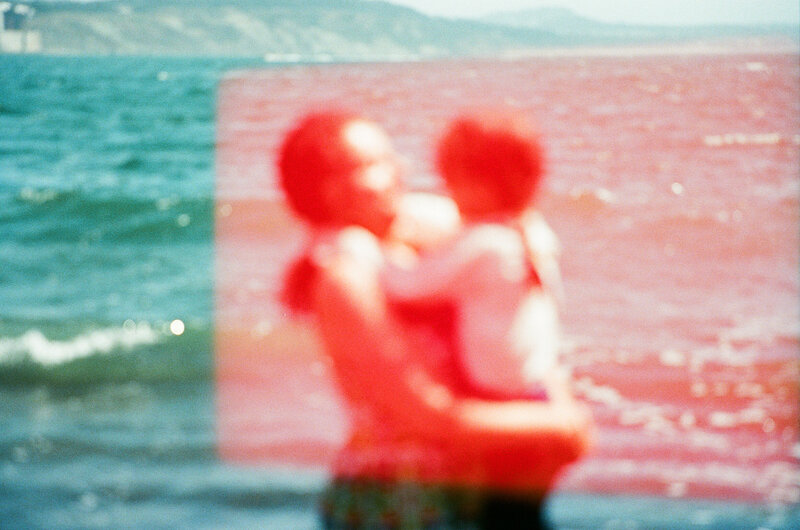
<point>338,168</point>
<point>491,161</point>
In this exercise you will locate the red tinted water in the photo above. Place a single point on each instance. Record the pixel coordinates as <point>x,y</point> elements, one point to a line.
<point>673,184</point>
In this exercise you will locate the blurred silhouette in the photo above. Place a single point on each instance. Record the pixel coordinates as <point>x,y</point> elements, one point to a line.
<point>424,449</point>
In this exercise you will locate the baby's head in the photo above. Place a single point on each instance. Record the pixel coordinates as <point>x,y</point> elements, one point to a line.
<point>338,168</point>
<point>492,163</point>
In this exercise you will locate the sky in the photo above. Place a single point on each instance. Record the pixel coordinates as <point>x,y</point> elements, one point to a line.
<point>662,12</point>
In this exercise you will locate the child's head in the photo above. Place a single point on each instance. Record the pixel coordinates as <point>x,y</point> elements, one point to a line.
<point>339,168</point>
<point>491,162</point>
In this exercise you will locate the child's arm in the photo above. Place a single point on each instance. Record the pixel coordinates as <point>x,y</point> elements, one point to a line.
<point>433,276</point>
<point>425,220</point>
<point>546,252</point>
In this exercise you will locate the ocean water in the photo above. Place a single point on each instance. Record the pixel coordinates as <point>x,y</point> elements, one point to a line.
<point>673,184</point>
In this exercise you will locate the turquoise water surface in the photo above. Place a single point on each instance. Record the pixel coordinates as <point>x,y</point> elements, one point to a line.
<point>106,240</point>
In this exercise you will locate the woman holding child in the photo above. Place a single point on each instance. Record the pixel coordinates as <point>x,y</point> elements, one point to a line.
<point>442,337</point>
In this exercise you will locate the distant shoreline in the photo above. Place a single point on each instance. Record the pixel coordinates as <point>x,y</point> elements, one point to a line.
<point>743,46</point>
<point>749,46</point>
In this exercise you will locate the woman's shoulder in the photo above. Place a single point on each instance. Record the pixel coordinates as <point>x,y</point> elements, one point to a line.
<point>489,238</point>
<point>352,242</point>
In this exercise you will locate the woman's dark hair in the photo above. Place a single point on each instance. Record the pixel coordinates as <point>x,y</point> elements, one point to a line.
<point>312,153</point>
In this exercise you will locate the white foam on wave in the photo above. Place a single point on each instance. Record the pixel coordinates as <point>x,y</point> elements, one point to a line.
<point>34,346</point>
<point>38,196</point>
<point>772,138</point>
<point>595,196</point>
<point>762,330</point>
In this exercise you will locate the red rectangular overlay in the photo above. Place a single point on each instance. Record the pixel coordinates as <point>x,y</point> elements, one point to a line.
<point>672,183</point>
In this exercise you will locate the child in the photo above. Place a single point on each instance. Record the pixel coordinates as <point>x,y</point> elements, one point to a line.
<point>501,271</point>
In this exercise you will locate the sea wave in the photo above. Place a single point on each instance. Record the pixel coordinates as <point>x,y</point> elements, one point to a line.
<point>738,139</point>
<point>143,352</point>
<point>33,345</point>
<point>75,215</point>
<point>581,200</point>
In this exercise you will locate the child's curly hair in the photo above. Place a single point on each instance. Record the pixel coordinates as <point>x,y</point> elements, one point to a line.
<point>496,151</point>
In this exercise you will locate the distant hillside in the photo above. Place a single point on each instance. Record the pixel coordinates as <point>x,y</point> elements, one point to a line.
<point>329,30</point>
<point>560,18</point>
<point>308,29</point>
<point>580,30</point>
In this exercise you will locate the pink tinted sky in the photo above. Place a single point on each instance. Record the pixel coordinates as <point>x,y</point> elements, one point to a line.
<point>670,12</point>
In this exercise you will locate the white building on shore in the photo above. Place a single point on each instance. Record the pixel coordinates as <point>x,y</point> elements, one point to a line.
<point>14,34</point>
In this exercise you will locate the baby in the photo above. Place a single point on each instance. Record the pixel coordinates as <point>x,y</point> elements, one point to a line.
<point>501,271</point>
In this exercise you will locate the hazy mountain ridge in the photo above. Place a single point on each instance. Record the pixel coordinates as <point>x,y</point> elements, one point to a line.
<point>323,29</point>
<point>565,23</point>
<point>333,29</point>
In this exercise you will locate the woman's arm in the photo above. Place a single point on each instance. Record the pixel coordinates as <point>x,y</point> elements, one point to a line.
<point>429,278</point>
<point>375,363</point>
